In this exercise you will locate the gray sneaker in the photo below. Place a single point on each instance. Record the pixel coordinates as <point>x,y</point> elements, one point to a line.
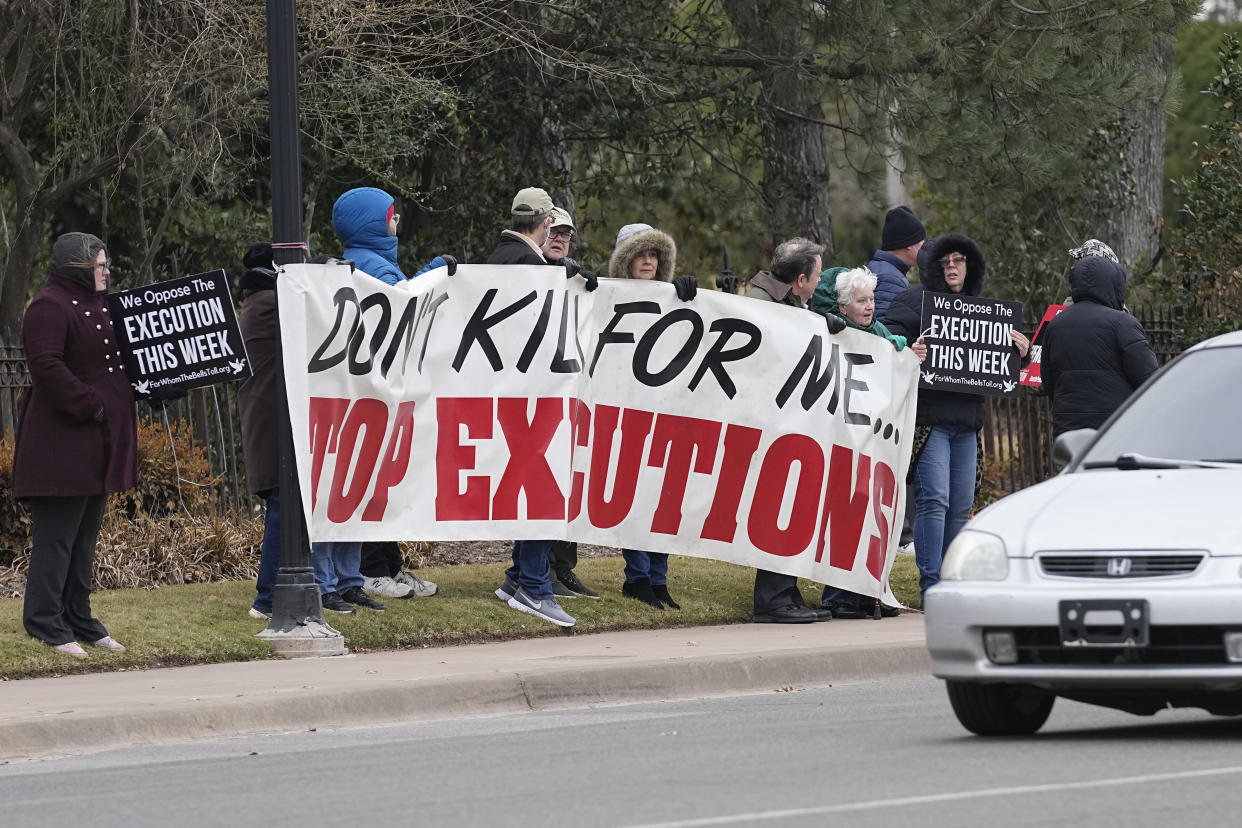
<point>545,608</point>
<point>421,588</point>
<point>507,589</point>
<point>387,587</point>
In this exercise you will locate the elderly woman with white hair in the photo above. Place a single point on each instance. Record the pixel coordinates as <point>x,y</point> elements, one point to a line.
<point>850,296</point>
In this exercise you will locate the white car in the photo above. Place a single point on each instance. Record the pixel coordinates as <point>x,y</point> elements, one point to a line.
<point>1119,581</point>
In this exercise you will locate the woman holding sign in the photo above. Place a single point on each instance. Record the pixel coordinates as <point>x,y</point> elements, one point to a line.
<point>947,445</point>
<point>850,296</point>
<point>76,441</point>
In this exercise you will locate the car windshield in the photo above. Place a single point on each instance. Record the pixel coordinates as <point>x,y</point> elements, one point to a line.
<point>1189,413</point>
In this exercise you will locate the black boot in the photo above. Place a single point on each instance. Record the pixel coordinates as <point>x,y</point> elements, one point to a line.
<point>640,590</point>
<point>661,592</point>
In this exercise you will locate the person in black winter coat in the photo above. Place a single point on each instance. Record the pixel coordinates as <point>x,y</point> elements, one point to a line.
<point>1094,354</point>
<point>947,426</point>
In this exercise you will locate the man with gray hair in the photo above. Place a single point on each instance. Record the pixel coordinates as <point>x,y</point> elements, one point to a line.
<point>791,281</point>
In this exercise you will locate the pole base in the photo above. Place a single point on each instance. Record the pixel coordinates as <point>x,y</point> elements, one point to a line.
<point>311,639</point>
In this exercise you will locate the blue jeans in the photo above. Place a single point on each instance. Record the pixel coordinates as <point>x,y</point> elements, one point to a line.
<point>640,564</point>
<point>269,555</point>
<point>337,565</point>
<point>531,569</point>
<point>944,490</point>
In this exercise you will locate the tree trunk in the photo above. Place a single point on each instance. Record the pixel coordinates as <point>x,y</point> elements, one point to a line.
<point>1131,223</point>
<point>795,155</point>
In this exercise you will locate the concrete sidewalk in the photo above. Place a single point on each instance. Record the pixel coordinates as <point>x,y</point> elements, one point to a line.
<point>75,714</point>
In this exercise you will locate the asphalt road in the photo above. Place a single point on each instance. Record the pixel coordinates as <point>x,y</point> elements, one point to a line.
<point>881,754</point>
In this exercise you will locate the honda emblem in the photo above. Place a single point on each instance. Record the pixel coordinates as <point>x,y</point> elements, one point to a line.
<point>1119,567</point>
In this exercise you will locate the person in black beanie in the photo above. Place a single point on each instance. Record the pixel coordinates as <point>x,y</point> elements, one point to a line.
<point>260,329</point>
<point>900,244</point>
<point>76,441</point>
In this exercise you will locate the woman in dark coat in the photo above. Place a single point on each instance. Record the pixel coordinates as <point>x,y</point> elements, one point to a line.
<point>947,425</point>
<point>76,441</point>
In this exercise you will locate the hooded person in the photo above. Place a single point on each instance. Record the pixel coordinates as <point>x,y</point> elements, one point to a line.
<point>365,221</point>
<point>643,252</point>
<point>1095,355</point>
<point>76,441</point>
<point>947,447</point>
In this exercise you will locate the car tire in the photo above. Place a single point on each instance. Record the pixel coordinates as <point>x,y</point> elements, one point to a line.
<point>999,709</point>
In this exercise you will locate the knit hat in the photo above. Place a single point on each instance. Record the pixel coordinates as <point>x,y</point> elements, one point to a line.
<point>1094,247</point>
<point>531,201</point>
<point>630,230</point>
<point>74,255</point>
<point>902,228</point>
<point>258,254</point>
<point>561,218</point>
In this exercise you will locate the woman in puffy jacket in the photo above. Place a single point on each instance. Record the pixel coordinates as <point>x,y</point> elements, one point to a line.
<point>947,446</point>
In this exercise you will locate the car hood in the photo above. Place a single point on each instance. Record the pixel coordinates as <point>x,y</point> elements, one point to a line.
<point>1106,509</point>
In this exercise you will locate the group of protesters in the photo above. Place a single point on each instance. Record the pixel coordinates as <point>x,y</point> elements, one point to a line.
<point>80,406</point>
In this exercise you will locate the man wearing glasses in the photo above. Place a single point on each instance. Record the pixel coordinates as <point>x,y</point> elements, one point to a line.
<point>563,555</point>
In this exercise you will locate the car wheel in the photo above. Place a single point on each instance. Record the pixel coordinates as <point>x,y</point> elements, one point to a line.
<point>999,709</point>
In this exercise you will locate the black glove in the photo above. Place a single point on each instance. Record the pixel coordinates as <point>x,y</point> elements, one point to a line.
<point>686,286</point>
<point>572,268</point>
<point>449,262</point>
<point>835,323</point>
<point>592,281</point>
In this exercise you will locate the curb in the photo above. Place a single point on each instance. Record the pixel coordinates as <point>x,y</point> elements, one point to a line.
<point>499,693</point>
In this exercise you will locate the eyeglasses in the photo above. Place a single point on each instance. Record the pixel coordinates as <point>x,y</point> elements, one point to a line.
<point>107,265</point>
<point>555,233</point>
<point>955,259</point>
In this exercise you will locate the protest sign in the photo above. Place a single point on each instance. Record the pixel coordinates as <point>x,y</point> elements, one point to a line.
<point>179,334</point>
<point>507,402</point>
<point>1031,372</point>
<point>968,344</point>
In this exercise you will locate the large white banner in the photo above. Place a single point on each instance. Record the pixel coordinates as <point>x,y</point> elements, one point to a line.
<point>508,402</point>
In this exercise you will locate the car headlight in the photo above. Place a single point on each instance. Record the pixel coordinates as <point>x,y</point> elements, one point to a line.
<point>975,556</point>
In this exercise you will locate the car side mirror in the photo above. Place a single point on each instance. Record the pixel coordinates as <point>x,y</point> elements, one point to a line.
<point>1070,445</point>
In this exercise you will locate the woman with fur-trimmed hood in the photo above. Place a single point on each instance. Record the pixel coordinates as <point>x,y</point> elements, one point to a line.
<point>947,447</point>
<point>643,252</point>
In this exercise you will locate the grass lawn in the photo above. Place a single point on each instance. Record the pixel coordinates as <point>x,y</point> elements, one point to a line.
<point>204,623</point>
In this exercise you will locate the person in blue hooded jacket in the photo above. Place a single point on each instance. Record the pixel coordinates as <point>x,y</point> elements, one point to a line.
<point>365,221</point>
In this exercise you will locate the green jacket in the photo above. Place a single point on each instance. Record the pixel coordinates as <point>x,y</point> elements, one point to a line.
<point>824,301</point>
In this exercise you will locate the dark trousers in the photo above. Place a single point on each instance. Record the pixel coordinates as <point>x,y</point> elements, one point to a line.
<point>269,555</point>
<point>907,525</point>
<point>381,559</point>
<point>563,556</point>
<point>57,608</point>
<point>774,590</point>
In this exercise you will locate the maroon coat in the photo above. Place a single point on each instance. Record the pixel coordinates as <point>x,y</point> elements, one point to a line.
<point>77,430</point>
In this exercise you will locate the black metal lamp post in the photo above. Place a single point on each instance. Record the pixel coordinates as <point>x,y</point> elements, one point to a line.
<point>297,627</point>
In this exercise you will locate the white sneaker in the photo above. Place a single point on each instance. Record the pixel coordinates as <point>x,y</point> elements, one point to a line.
<point>908,549</point>
<point>387,588</point>
<point>422,589</point>
<point>259,615</point>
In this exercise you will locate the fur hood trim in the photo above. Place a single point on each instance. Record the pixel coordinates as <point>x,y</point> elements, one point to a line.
<point>657,240</point>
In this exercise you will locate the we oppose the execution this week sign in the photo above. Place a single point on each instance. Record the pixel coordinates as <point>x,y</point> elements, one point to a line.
<point>507,402</point>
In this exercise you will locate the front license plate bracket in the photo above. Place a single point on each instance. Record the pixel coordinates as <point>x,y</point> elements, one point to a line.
<point>1104,623</point>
